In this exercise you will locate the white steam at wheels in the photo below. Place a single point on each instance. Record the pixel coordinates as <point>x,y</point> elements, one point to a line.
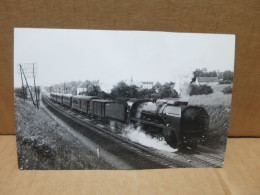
<point>139,136</point>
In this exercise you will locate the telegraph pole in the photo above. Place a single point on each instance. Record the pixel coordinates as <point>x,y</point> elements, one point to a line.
<point>35,90</point>
<point>29,71</point>
<point>22,83</point>
<point>27,85</point>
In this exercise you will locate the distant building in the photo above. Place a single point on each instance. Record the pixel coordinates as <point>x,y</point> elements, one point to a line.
<point>140,84</point>
<point>207,80</point>
<point>81,89</point>
<point>146,85</point>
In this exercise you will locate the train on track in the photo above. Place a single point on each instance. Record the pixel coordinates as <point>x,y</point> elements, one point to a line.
<point>170,119</point>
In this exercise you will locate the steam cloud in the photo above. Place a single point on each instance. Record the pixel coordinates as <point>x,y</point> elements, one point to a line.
<point>182,86</point>
<point>138,136</point>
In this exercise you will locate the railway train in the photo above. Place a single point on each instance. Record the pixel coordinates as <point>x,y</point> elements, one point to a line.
<point>170,119</point>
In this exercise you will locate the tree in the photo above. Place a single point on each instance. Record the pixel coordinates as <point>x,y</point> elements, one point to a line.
<point>95,91</point>
<point>200,89</point>
<point>21,92</point>
<point>92,88</point>
<point>147,93</point>
<point>157,86</point>
<point>167,91</point>
<point>227,90</point>
<point>197,73</point>
<point>105,95</point>
<point>125,91</point>
<point>228,75</point>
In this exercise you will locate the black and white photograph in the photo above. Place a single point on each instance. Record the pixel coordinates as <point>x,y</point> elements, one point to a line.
<point>121,100</point>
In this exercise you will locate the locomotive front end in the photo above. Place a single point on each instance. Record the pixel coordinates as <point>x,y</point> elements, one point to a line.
<point>186,125</point>
<point>194,126</point>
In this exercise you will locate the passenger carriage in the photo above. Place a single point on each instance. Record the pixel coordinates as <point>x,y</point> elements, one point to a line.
<point>59,98</point>
<point>53,96</point>
<point>67,100</point>
<point>82,103</point>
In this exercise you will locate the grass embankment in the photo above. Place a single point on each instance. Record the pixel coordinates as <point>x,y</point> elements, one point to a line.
<point>218,107</point>
<point>42,143</point>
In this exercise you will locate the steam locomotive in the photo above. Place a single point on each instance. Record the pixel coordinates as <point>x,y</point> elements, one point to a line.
<point>173,119</point>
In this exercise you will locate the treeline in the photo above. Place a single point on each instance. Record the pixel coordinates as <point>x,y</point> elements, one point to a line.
<point>158,91</point>
<point>120,90</point>
<point>92,87</point>
<point>26,92</point>
<point>66,87</point>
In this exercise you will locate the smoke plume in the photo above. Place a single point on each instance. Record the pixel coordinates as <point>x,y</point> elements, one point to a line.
<point>182,86</point>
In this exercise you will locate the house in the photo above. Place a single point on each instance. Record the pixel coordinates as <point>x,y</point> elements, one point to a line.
<point>81,90</point>
<point>146,85</point>
<point>207,80</point>
<point>140,84</point>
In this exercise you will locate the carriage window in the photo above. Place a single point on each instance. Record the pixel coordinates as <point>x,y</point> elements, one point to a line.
<point>75,101</point>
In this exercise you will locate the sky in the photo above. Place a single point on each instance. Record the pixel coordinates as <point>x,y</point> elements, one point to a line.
<point>111,56</point>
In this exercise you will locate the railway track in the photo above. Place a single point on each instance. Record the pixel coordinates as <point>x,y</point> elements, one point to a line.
<point>203,158</point>
<point>149,154</point>
<point>212,156</point>
<point>203,161</point>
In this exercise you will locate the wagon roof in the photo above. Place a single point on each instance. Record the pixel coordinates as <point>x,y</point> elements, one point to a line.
<point>136,100</point>
<point>102,100</point>
<point>83,97</point>
<point>55,93</point>
<point>67,95</point>
<point>59,94</point>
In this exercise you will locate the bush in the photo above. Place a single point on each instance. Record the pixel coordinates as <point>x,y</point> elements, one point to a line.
<point>200,90</point>
<point>20,92</point>
<point>225,82</point>
<point>227,90</point>
<point>218,126</point>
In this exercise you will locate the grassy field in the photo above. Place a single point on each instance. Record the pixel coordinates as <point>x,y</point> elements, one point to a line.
<point>219,88</point>
<point>42,143</point>
<point>218,107</point>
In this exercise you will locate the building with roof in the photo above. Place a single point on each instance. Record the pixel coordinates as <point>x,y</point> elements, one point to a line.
<point>81,90</point>
<point>207,80</point>
<point>140,84</point>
